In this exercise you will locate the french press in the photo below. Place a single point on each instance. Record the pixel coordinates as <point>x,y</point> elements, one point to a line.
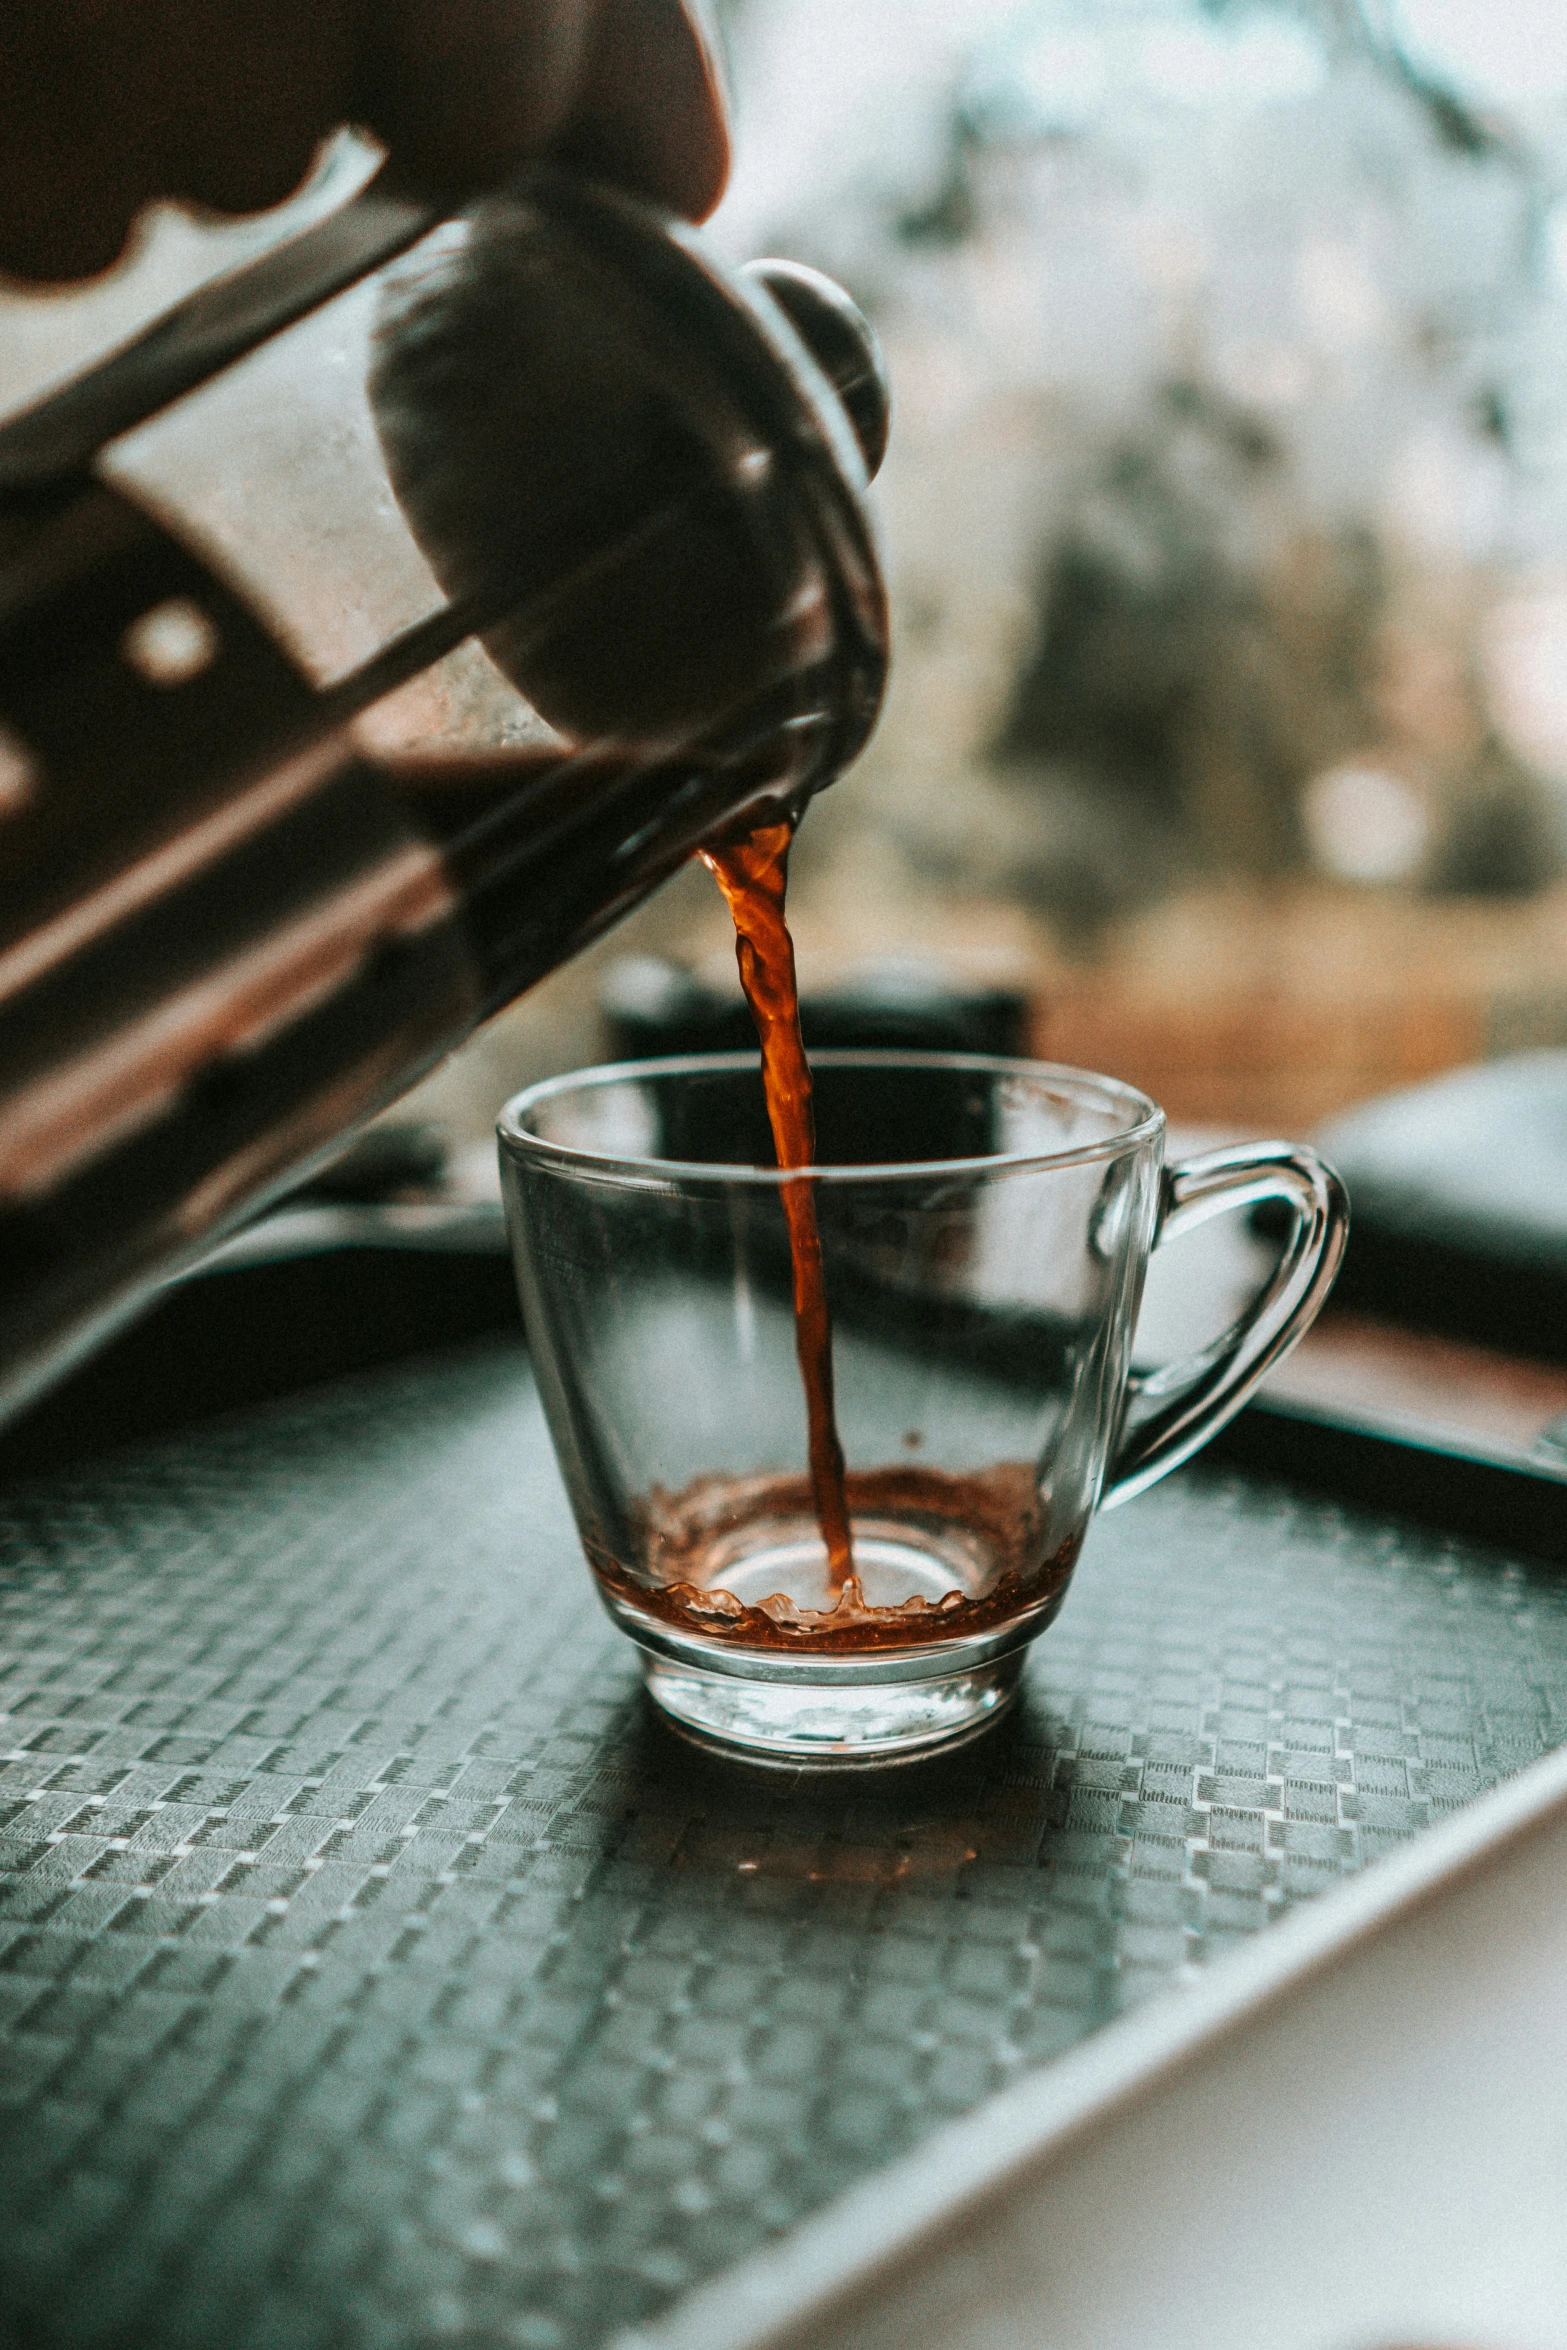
<point>227,934</point>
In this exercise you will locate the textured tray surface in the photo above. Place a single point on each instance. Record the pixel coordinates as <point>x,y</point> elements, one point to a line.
<point>372,1971</point>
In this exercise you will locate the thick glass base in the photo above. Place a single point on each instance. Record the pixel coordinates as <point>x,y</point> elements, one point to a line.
<point>819,1725</point>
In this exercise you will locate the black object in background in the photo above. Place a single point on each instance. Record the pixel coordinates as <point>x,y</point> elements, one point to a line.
<point>331,1281</point>
<point>386,1162</point>
<point>654,1007</point>
<point>298,1309</point>
<point>1458,1191</point>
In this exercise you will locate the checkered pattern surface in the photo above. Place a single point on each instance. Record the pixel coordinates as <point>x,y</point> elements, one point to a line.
<point>374,1972</point>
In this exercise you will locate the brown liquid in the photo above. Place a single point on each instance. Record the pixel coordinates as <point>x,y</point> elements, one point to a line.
<point>752,873</point>
<point>988,1521</point>
<point>986,1527</point>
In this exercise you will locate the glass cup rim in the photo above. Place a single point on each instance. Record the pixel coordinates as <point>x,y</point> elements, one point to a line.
<point>1145,1119</point>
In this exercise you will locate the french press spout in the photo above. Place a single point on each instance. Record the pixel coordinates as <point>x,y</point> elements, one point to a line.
<point>227,935</point>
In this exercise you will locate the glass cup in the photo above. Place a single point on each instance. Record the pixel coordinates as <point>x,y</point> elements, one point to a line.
<point>985,1229</point>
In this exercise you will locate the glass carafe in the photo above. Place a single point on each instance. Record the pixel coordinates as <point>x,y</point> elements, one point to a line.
<point>376,628</point>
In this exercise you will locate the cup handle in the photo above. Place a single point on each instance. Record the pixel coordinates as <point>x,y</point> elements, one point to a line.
<point>1193,1398</point>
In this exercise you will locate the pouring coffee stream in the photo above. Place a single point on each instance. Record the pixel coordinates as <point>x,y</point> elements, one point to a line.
<point>752,873</point>
<point>227,936</point>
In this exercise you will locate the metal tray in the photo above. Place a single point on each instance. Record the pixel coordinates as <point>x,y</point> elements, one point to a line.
<point>374,1972</point>
<point>1350,2132</point>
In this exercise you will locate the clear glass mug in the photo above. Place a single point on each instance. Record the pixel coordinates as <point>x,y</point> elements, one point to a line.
<point>985,1227</point>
